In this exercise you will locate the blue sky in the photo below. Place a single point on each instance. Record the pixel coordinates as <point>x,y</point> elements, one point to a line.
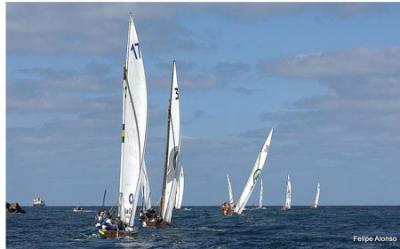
<point>325,76</point>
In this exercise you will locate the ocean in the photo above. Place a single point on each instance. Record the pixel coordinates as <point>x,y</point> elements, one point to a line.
<point>206,227</point>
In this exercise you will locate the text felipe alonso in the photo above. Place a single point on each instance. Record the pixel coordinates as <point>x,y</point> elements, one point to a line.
<point>376,238</point>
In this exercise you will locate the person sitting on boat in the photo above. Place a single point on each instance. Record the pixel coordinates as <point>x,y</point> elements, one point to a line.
<point>100,218</point>
<point>151,213</point>
<point>120,225</point>
<point>151,216</point>
<point>108,223</point>
<point>227,208</point>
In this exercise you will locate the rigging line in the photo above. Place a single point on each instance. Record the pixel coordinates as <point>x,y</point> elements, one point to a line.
<point>166,161</point>
<point>124,110</point>
<point>119,200</point>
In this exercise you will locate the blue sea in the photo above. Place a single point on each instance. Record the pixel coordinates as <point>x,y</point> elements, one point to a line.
<point>206,227</point>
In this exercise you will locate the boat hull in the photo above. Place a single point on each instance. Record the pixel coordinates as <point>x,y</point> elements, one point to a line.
<point>115,233</point>
<point>154,223</point>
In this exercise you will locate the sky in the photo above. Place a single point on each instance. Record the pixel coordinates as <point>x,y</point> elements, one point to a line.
<point>325,76</point>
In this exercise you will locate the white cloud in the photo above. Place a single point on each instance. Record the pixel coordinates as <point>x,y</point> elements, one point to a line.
<point>94,28</point>
<point>357,62</point>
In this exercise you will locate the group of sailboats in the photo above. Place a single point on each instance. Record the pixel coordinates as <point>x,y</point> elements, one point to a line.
<point>288,196</point>
<point>228,207</point>
<point>134,180</point>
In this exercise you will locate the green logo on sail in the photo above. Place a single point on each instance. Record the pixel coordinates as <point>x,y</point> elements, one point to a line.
<point>256,175</point>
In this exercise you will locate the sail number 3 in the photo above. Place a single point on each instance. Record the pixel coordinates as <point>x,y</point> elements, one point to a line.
<point>136,50</point>
<point>177,93</point>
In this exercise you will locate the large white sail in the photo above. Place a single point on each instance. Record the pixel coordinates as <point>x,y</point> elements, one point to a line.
<point>134,125</point>
<point>288,197</point>
<point>172,166</point>
<point>145,184</point>
<point>179,190</point>
<point>230,190</point>
<point>316,200</point>
<point>261,195</point>
<point>254,175</point>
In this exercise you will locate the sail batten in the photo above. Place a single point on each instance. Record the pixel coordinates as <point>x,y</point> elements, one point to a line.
<point>254,175</point>
<point>172,165</point>
<point>134,127</point>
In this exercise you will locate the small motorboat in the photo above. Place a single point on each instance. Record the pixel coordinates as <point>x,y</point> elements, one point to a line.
<point>78,209</point>
<point>38,202</point>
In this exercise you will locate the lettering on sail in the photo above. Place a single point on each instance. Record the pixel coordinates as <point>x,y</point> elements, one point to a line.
<point>136,50</point>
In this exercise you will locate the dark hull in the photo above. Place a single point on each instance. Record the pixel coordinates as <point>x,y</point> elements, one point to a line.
<point>115,233</point>
<point>154,223</point>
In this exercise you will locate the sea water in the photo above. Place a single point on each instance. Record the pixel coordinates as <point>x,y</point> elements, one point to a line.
<point>206,227</point>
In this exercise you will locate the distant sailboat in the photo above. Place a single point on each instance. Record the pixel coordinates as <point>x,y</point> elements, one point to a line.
<point>260,205</point>
<point>78,210</point>
<point>316,200</point>
<point>179,190</point>
<point>134,127</point>
<point>288,199</point>
<point>254,175</point>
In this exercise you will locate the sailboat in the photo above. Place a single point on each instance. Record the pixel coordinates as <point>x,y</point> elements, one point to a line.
<point>254,175</point>
<point>316,200</point>
<point>227,207</point>
<point>260,205</point>
<point>288,199</point>
<point>172,168</point>
<point>134,127</point>
<point>251,181</point>
<point>179,190</point>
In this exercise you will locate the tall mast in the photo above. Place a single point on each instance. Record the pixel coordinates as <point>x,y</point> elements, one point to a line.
<point>124,98</point>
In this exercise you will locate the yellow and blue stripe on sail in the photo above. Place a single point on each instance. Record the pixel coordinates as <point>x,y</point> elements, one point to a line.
<point>123,133</point>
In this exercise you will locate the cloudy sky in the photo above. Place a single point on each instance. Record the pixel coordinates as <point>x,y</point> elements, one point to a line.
<point>325,76</point>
